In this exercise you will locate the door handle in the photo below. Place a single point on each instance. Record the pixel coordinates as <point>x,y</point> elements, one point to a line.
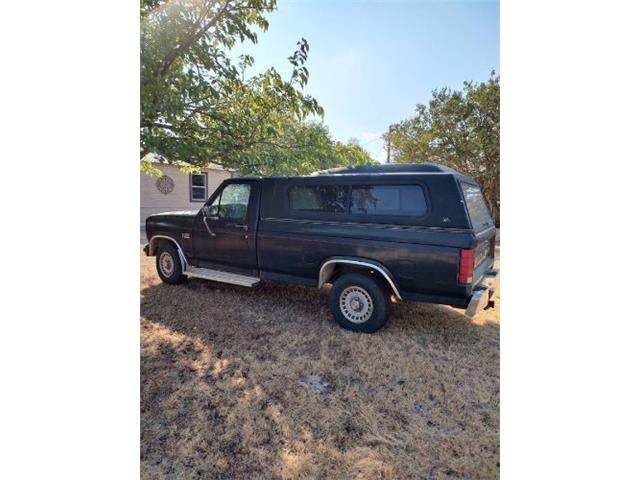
<point>242,226</point>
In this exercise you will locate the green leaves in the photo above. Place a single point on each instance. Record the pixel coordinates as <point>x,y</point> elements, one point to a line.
<point>300,148</point>
<point>196,104</point>
<point>300,73</point>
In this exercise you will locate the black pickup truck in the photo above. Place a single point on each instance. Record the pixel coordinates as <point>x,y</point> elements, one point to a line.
<point>418,232</point>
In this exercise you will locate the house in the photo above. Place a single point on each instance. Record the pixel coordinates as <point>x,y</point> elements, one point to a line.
<point>176,190</point>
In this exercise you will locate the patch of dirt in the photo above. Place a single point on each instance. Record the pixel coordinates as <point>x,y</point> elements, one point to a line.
<point>223,393</point>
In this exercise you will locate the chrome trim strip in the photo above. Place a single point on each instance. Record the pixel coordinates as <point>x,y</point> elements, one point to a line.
<point>183,259</point>
<point>323,276</point>
<point>389,226</point>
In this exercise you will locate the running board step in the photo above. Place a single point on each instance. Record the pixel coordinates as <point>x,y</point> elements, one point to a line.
<point>220,276</point>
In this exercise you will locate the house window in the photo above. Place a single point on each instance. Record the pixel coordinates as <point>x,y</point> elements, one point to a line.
<point>198,187</point>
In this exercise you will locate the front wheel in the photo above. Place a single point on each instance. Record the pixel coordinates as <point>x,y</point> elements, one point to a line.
<point>168,264</point>
<point>359,302</point>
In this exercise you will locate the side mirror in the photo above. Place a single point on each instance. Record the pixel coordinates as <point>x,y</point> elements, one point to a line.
<point>210,210</point>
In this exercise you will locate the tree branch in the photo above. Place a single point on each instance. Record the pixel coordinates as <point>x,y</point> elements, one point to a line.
<point>182,48</point>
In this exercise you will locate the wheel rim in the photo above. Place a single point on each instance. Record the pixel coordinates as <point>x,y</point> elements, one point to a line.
<point>166,263</point>
<point>356,304</point>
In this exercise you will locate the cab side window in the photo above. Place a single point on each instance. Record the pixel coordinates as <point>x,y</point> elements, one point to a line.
<point>232,203</point>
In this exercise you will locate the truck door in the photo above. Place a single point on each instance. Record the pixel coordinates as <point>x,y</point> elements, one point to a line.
<point>224,233</point>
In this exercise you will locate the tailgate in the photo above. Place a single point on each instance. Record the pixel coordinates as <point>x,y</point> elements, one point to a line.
<point>484,253</point>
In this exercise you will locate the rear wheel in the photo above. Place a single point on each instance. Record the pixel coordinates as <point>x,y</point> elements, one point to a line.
<point>168,264</point>
<point>359,302</point>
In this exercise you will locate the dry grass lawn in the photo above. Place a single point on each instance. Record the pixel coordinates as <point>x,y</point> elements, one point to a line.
<point>222,397</point>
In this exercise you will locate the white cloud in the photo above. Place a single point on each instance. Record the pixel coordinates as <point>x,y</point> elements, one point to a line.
<point>369,136</point>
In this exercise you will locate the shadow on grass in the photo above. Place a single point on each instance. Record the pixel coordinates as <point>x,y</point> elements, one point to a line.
<point>286,306</point>
<point>221,395</point>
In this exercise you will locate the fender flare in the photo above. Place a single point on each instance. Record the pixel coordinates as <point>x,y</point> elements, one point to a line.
<point>153,246</point>
<point>327,267</point>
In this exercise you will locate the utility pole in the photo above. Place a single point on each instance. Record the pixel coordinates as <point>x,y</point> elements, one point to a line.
<point>389,145</point>
<point>388,150</point>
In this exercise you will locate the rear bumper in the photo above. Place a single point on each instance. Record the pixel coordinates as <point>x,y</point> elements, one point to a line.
<point>483,292</point>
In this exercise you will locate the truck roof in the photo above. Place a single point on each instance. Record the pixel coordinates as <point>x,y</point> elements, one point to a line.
<point>366,170</point>
<point>387,168</point>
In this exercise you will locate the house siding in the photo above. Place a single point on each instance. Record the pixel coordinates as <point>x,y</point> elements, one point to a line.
<point>153,200</point>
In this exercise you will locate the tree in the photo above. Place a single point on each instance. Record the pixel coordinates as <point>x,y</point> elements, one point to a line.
<point>196,106</point>
<point>460,129</point>
<point>303,147</point>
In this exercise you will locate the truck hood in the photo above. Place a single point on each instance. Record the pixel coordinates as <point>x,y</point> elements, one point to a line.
<point>182,213</point>
<point>170,221</point>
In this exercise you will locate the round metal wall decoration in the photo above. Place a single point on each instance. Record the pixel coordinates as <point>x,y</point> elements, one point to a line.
<point>165,184</point>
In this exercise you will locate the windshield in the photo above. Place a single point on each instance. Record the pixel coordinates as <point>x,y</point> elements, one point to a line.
<point>478,211</point>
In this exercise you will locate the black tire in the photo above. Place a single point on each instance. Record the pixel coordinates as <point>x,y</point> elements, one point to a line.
<point>351,286</point>
<point>170,271</point>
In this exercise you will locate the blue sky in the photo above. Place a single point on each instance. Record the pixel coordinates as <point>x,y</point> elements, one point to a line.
<point>370,62</point>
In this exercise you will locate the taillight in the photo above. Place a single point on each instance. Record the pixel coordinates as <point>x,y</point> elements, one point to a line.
<point>465,267</point>
<point>492,247</point>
